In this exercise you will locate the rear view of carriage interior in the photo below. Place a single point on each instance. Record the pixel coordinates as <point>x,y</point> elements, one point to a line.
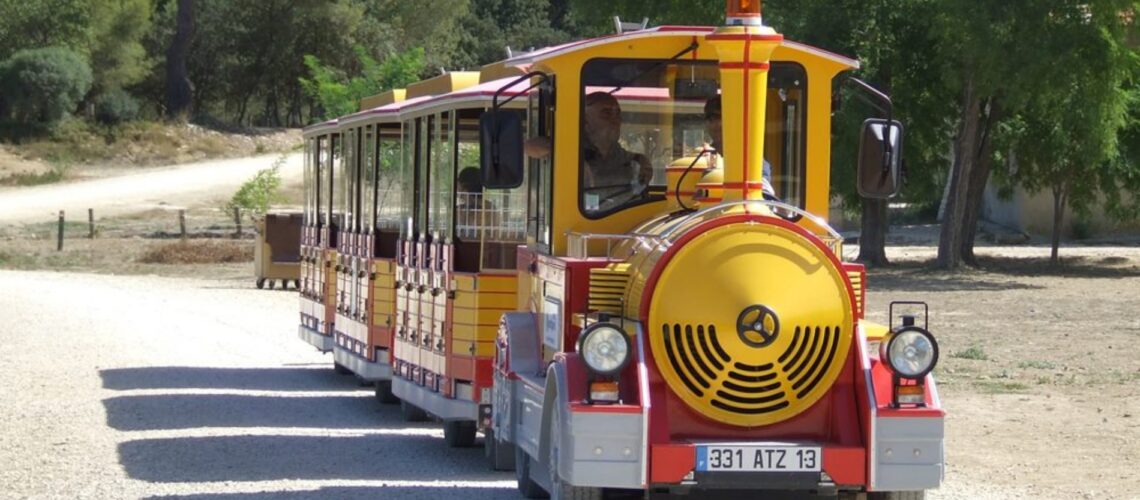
<point>611,259</point>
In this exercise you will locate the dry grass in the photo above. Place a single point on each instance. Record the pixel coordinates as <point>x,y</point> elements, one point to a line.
<point>199,252</point>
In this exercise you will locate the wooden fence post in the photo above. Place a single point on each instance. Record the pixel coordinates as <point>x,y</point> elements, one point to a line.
<point>237,222</point>
<point>59,239</point>
<point>90,223</point>
<point>182,223</point>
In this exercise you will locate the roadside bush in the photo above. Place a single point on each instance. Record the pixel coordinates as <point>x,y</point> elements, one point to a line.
<point>198,252</point>
<point>115,106</point>
<point>256,194</point>
<point>41,86</point>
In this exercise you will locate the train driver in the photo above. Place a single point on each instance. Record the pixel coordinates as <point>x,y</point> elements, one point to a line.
<point>613,175</point>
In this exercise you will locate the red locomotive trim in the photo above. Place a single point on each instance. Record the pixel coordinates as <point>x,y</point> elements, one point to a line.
<point>747,37</point>
<point>749,184</point>
<point>671,462</point>
<point>760,66</point>
<point>601,408</point>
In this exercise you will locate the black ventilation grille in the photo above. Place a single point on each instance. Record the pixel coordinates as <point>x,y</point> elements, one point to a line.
<point>709,372</point>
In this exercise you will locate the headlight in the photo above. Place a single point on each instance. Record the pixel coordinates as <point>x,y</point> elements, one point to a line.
<point>910,351</point>
<point>604,348</point>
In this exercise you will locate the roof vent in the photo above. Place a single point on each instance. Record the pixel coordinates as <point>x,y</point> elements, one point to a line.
<point>621,27</point>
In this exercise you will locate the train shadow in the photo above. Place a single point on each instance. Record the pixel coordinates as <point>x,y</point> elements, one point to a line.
<point>272,458</point>
<point>191,411</point>
<point>924,277</point>
<point>252,379</point>
<point>351,493</point>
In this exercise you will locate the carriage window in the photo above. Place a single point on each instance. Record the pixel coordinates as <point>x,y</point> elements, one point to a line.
<point>489,224</point>
<point>410,148</point>
<point>389,179</point>
<point>336,193</point>
<point>308,181</point>
<point>442,177</point>
<point>638,117</point>
<point>367,179</point>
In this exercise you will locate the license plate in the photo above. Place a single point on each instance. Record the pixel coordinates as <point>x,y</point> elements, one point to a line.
<point>754,458</point>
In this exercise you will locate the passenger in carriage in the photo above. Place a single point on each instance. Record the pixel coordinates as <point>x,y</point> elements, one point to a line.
<point>716,136</point>
<point>473,210</point>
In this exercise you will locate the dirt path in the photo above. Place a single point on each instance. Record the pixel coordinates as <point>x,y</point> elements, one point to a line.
<point>182,185</point>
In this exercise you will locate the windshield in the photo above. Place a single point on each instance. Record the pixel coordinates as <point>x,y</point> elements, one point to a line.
<point>640,117</point>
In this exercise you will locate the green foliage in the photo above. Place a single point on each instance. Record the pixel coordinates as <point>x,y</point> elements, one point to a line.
<point>118,57</point>
<point>41,86</point>
<point>596,17</point>
<point>115,107</point>
<point>259,192</point>
<point>43,23</point>
<point>338,95</point>
<point>493,25</point>
<point>973,352</point>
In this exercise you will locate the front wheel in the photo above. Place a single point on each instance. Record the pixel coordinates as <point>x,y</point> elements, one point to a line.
<point>459,433</point>
<point>500,456</point>
<point>384,393</point>
<point>897,495</point>
<point>526,484</point>
<point>559,489</point>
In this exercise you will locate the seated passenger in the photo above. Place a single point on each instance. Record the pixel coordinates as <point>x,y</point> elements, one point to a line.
<point>714,130</point>
<point>612,175</point>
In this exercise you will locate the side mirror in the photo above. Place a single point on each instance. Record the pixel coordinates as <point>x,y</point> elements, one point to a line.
<point>880,158</point>
<point>501,149</point>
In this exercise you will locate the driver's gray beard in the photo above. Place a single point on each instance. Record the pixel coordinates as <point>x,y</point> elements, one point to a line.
<point>605,137</point>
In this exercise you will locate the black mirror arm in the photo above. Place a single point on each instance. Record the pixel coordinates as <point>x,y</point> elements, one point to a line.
<point>495,105</point>
<point>884,105</point>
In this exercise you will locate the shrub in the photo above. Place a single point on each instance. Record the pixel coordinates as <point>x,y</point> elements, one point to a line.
<point>41,86</point>
<point>115,106</point>
<point>198,252</point>
<point>255,195</point>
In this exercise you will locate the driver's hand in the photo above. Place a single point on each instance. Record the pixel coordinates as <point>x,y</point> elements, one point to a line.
<point>645,172</point>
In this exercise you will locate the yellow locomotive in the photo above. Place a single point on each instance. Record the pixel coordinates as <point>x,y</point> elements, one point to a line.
<point>637,288</point>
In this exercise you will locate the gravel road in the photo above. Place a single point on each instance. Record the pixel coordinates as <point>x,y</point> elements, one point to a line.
<point>150,188</point>
<point>148,387</point>
<point>153,387</point>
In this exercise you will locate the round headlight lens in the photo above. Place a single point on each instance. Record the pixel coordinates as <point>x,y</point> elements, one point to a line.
<point>605,349</point>
<point>911,352</point>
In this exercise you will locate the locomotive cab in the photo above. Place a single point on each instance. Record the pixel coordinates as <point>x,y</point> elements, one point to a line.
<point>678,333</point>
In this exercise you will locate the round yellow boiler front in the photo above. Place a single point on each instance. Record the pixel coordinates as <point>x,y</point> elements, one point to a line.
<point>750,323</point>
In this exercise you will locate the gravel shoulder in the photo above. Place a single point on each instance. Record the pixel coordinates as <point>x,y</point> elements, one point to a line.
<point>197,387</point>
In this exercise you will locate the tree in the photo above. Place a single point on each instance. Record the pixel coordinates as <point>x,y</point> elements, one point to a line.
<point>118,58</point>
<point>41,86</point>
<point>493,25</point>
<point>1065,140</point>
<point>43,23</point>
<point>337,95</point>
<point>179,91</point>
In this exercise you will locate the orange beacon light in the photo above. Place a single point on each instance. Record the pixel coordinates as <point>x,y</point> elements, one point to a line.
<point>743,12</point>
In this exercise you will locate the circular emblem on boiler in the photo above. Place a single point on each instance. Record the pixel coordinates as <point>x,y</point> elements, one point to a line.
<point>758,326</point>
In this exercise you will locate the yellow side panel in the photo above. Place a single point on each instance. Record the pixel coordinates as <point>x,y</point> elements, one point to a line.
<point>485,333</point>
<point>472,300</point>
<point>482,349</point>
<point>480,317</point>
<point>486,282</point>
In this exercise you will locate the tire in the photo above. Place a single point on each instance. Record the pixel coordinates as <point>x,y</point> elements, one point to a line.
<point>260,283</point>
<point>341,369</point>
<point>526,485</point>
<point>296,284</point>
<point>412,413</point>
<point>897,495</point>
<point>384,393</point>
<point>499,455</point>
<point>272,284</point>
<point>559,489</point>
<point>459,433</point>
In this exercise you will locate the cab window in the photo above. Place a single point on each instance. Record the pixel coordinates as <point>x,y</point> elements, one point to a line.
<point>638,117</point>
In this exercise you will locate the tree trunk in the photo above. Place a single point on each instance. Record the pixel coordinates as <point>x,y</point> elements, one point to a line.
<point>950,239</point>
<point>873,234</point>
<point>179,91</point>
<point>1059,199</point>
<point>978,180</point>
